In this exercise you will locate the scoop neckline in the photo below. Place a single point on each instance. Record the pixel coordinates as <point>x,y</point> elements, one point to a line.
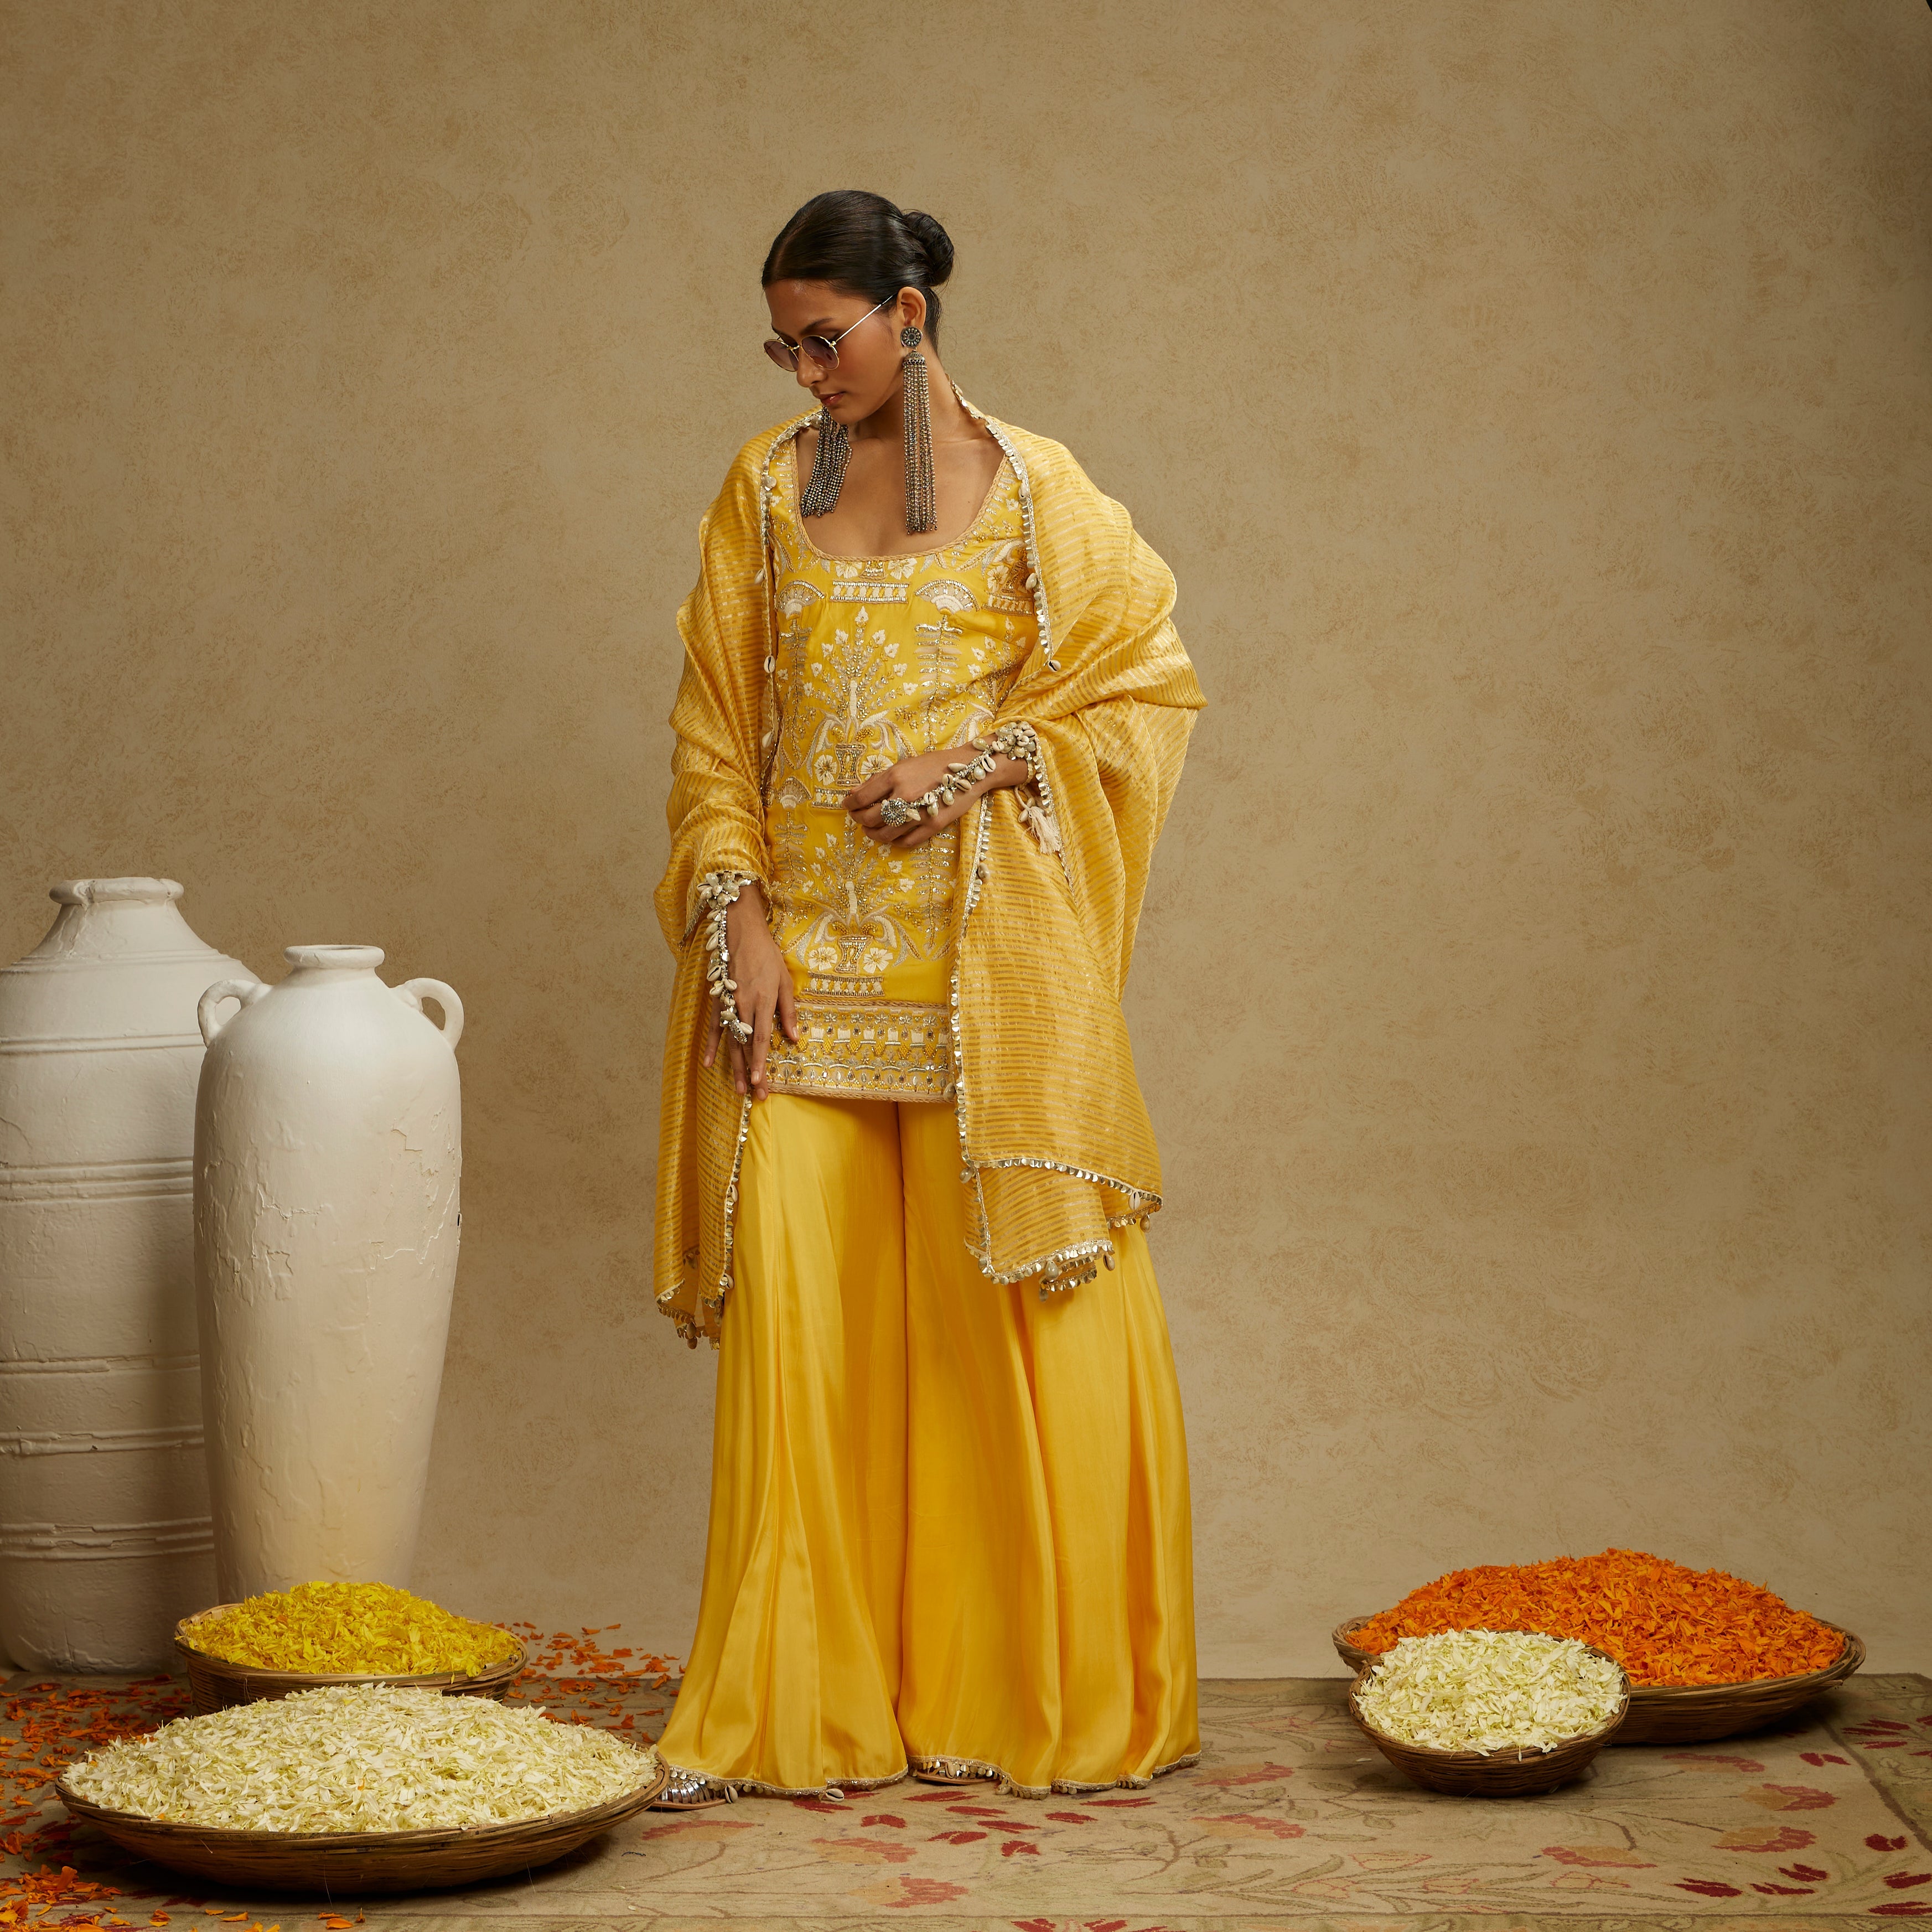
<point>892,555</point>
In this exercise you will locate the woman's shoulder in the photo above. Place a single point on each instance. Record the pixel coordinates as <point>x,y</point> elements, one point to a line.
<point>1065,498</point>
<point>1038,452</point>
<point>752,452</point>
<point>1052,469</point>
<point>736,501</point>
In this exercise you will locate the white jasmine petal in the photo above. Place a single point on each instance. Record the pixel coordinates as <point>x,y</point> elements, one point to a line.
<point>362,1758</point>
<point>1484,1690</point>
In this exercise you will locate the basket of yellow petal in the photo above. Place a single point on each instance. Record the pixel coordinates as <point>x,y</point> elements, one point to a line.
<point>318,1633</point>
<point>1708,1655</point>
<point>361,1788</point>
<point>1490,1714</point>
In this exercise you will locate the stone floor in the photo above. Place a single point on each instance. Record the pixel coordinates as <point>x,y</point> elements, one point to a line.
<point>1823,1822</point>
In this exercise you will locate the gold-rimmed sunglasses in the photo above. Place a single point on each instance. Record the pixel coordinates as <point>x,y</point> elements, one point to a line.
<point>824,349</point>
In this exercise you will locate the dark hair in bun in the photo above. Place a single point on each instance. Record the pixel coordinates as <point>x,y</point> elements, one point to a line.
<point>862,244</point>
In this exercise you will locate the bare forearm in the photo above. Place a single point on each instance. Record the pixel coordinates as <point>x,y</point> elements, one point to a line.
<point>753,987</point>
<point>1005,771</point>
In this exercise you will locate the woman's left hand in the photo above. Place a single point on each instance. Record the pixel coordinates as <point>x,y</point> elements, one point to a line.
<point>913,778</point>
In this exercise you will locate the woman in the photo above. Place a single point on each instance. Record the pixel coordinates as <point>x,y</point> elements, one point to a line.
<point>932,713</point>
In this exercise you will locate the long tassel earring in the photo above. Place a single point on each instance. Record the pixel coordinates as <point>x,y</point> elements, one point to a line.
<point>915,406</point>
<point>828,468</point>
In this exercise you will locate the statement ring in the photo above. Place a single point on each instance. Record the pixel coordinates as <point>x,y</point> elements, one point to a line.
<point>898,812</point>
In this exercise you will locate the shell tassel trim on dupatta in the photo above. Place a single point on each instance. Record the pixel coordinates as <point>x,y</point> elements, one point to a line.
<point>717,1301</point>
<point>1065,1268</point>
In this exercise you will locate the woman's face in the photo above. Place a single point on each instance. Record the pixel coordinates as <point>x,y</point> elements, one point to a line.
<point>868,369</point>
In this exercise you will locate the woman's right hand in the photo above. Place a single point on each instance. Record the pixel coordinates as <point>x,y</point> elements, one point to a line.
<point>765,995</point>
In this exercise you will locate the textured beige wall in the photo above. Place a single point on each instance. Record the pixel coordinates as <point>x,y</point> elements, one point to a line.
<point>1532,399</point>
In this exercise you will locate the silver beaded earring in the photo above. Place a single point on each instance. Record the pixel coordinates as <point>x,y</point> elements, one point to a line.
<point>828,468</point>
<point>915,407</point>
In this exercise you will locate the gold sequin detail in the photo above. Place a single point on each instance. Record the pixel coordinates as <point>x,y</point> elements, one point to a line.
<point>871,1050</point>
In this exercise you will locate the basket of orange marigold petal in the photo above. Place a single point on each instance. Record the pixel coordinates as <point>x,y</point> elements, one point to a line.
<point>1708,1655</point>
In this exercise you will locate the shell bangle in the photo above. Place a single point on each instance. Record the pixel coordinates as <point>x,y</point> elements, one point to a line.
<point>1019,740</point>
<point>1013,741</point>
<point>717,893</point>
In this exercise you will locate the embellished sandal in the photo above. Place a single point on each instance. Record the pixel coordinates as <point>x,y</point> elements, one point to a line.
<point>693,1791</point>
<point>954,1770</point>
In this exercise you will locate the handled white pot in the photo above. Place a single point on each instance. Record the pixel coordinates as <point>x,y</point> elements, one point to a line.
<point>328,1154</point>
<point>104,1536</point>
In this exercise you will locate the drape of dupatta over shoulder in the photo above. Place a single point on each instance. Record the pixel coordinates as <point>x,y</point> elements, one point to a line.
<point>1057,1149</point>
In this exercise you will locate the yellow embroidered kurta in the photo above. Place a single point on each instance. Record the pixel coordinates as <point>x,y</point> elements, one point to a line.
<point>1054,1139</point>
<point>878,659</point>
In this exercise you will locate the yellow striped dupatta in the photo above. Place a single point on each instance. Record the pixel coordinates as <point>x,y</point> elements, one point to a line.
<point>1055,1142</point>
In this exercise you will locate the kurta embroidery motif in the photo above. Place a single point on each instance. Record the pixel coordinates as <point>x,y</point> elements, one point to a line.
<point>877,659</point>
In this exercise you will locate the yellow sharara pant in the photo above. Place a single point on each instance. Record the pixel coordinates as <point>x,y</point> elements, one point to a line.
<point>948,1519</point>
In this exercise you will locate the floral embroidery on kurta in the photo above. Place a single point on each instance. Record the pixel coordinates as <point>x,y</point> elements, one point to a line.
<point>878,659</point>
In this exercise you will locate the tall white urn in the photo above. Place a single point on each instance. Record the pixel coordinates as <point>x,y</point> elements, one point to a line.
<point>327,1151</point>
<point>105,1541</point>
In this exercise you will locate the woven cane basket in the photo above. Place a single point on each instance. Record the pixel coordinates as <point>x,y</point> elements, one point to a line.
<point>213,1683</point>
<point>1508,1773</point>
<point>362,1861</point>
<point>1688,1714</point>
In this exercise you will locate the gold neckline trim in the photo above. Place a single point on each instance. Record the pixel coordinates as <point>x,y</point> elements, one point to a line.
<point>789,496</point>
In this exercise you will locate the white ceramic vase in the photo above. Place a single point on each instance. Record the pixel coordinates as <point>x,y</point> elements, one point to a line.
<point>105,1542</point>
<point>327,1152</point>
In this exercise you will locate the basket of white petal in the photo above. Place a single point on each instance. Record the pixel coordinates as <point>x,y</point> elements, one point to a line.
<point>361,1788</point>
<point>1490,1714</point>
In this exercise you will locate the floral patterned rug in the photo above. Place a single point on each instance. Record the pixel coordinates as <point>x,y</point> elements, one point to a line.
<point>1821,1823</point>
